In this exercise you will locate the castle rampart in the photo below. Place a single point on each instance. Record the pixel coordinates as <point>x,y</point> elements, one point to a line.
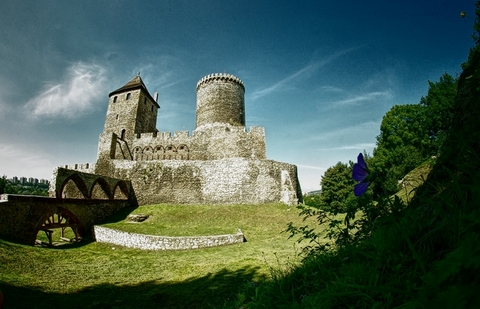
<point>227,181</point>
<point>210,143</point>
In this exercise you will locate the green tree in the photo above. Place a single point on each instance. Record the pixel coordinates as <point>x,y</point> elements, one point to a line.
<point>337,184</point>
<point>3,183</point>
<point>410,134</point>
<point>312,200</point>
<point>439,104</point>
<point>402,144</point>
<point>6,187</point>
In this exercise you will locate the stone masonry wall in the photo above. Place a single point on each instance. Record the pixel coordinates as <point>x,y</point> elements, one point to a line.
<point>212,142</point>
<point>220,99</point>
<point>150,242</point>
<point>227,181</point>
<point>20,214</point>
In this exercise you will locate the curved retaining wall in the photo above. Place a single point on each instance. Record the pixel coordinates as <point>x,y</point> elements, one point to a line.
<point>150,242</point>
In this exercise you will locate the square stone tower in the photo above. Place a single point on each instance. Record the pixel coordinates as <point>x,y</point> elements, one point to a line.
<point>131,111</point>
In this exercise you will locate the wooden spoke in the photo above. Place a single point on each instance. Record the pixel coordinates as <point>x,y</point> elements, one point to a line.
<point>60,221</point>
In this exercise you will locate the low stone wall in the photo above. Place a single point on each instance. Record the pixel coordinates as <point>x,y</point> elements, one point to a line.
<point>150,242</point>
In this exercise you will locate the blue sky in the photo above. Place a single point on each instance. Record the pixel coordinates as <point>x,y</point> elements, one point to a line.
<point>319,75</point>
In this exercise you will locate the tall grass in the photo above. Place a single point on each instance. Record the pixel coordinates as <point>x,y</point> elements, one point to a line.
<point>425,255</point>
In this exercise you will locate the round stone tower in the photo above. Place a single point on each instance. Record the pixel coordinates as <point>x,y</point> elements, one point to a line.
<point>220,100</point>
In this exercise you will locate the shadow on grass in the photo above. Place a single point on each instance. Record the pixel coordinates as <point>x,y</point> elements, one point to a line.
<point>196,292</point>
<point>120,215</point>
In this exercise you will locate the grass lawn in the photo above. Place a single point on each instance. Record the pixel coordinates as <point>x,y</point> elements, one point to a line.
<point>95,275</point>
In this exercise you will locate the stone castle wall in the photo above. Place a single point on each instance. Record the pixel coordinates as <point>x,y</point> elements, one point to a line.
<point>212,142</point>
<point>227,181</point>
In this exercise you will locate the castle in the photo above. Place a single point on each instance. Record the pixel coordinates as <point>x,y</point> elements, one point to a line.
<point>220,162</point>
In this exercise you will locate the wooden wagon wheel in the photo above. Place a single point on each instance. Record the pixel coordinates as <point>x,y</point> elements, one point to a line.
<point>62,219</point>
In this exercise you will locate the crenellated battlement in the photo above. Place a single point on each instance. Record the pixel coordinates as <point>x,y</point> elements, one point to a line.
<point>211,142</point>
<point>163,135</point>
<point>220,76</point>
<point>83,167</point>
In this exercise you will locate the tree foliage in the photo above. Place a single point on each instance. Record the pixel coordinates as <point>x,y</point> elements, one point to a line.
<point>410,134</point>
<point>6,187</point>
<point>337,184</point>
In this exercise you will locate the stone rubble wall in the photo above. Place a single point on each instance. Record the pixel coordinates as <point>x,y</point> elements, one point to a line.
<point>151,242</point>
<point>220,99</point>
<point>227,181</point>
<point>83,167</point>
<point>20,215</point>
<point>211,142</point>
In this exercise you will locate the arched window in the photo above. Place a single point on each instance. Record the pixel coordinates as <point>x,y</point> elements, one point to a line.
<point>183,152</point>
<point>128,96</point>
<point>115,99</point>
<point>123,134</point>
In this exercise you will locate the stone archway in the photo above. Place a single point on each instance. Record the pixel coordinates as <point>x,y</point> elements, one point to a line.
<point>73,187</point>
<point>59,220</point>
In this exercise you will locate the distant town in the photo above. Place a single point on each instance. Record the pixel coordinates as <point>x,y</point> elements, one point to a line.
<point>24,186</point>
<point>28,181</point>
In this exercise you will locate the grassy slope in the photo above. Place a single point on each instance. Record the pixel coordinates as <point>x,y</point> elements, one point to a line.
<point>94,275</point>
<point>425,256</point>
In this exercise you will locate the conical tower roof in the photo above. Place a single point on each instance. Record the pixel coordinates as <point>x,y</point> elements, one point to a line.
<point>135,83</point>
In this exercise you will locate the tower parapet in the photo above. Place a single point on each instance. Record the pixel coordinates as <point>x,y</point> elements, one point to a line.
<point>220,76</point>
<point>220,100</point>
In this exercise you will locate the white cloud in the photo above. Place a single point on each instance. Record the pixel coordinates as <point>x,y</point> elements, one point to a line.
<point>371,96</point>
<point>311,167</point>
<point>360,146</point>
<point>361,129</point>
<point>331,89</point>
<point>72,98</point>
<point>307,70</point>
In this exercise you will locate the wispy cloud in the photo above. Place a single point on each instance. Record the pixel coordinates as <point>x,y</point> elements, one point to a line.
<point>306,71</point>
<point>73,97</point>
<point>354,100</point>
<point>360,129</point>
<point>360,146</point>
<point>311,167</point>
<point>331,89</point>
